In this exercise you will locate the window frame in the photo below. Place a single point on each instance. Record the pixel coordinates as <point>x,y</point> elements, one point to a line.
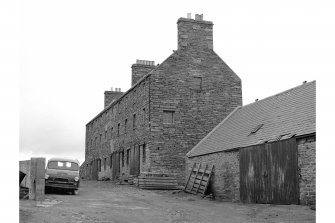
<point>165,112</point>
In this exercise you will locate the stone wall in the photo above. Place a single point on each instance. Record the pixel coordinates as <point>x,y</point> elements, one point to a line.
<point>307,169</point>
<point>225,180</point>
<point>200,90</point>
<point>193,85</point>
<point>107,133</point>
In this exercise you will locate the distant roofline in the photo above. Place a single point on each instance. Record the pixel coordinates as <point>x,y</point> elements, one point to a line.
<point>280,93</point>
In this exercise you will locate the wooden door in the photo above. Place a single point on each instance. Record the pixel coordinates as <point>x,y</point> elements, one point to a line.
<point>268,173</point>
<point>137,160</point>
<point>115,165</point>
<point>134,161</point>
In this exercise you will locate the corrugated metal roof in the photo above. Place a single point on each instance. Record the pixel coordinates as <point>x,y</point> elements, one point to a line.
<point>283,115</point>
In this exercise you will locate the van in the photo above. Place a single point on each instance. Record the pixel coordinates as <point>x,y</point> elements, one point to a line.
<point>62,173</point>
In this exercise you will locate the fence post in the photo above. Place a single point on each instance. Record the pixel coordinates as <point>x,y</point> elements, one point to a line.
<point>37,179</point>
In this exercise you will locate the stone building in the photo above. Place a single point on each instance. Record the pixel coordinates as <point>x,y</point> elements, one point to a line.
<point>167,111</point>
<point>264,152</point>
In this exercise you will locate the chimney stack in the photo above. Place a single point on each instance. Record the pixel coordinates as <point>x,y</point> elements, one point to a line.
<point>140,69</point>
<point>111,95</point>
<point>195,33</point>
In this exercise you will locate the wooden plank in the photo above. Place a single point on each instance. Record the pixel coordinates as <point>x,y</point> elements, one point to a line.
<point>198,182</point>
<point>157,178</point>
<point>196,175</point>
<point>200,170</point>
<point>156,183</point>
<point>158,187</point>
<point>274,177</point>
<point>187,182</point>
<point>137,160</point>
<point>203,193</point>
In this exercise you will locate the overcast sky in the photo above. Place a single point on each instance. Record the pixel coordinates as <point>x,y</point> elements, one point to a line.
<point>70,52</point>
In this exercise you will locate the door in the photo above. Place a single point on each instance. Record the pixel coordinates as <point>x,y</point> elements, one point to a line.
<point>135,161</point>
<point>268,173</point>
<point>115,165</point>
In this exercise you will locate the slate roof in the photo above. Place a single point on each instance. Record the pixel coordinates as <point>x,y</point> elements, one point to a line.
<point>281,116</point>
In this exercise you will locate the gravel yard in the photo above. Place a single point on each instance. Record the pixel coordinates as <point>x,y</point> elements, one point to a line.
<point>109,202</point>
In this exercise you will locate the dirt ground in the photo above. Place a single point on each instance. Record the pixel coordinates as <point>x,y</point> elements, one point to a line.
<point>108,202</point>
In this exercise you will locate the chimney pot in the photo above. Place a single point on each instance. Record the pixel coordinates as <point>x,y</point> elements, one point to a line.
<point>189,15</point>
<point>304,82</point>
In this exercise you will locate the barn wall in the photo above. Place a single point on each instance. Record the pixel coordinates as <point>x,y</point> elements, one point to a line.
<point>225,180</point>
<point>224,183</point>
<point>307,169</point>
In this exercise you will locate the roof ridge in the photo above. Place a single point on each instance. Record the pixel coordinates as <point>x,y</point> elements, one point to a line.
<point>213,130</point>
<point>281,93</point>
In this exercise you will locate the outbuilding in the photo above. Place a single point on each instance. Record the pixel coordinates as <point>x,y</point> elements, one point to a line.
<point>264,152</point>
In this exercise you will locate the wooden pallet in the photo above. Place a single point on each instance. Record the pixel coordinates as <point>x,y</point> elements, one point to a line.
<point>131,179</point>
<point>198,179</point>
<point>157,182</point>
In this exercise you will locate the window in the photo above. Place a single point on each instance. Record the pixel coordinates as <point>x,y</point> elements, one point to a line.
<point>118,129</point>
<point>105,163</point>
<point>134,121</point>
<point>112,132</point>
<point>63,165</point>
<point>128,154</point>
<point>143,115</point>
<point>100,137</point>
<point>168,117</point>
<point>106,135</point>
<point>254,130</point>
<point>125,125</point>
<point>196,83</point>
<point>144,153</point>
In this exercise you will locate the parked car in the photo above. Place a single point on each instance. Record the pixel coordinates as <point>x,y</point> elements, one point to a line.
<point>62,173</point>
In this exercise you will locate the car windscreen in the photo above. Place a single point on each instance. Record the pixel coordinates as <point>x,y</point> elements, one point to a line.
<point>63,165</point>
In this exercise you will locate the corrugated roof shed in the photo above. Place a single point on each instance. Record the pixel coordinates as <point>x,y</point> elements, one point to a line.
<point>291,112</point>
